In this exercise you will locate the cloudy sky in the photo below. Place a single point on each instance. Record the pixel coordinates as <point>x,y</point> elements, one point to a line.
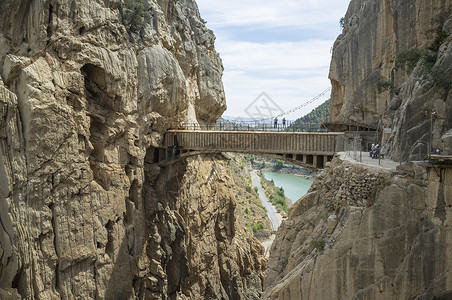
<point>282,48</point>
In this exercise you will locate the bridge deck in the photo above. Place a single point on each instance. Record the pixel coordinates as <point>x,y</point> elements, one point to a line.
<point>314,143</point>
<point>308,149</point>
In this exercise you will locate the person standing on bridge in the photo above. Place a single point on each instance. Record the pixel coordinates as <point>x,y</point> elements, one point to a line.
<point>284,122</point>
<point>275,124</point>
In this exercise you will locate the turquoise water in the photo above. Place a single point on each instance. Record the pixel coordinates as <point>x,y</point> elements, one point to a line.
<point>294,187</point>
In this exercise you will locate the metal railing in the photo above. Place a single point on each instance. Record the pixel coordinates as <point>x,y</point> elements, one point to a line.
<point>255,126</point>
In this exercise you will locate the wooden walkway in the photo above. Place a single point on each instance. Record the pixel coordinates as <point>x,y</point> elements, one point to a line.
<point>308,149</point>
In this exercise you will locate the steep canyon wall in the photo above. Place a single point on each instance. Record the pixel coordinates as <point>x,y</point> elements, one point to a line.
<point>365,233</point>
<point>375,35</point>
<point>86,94</point>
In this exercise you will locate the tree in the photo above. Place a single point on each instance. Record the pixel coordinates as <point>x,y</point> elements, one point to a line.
<point>312,120</point>
<point>133,15</point>
<point>279,164</point>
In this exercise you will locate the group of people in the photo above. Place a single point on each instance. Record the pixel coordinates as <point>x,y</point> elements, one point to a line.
<point>375,151</point>
<point>275,123</point>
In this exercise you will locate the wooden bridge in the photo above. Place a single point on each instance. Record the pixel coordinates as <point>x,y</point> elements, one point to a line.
<point>307,149</point>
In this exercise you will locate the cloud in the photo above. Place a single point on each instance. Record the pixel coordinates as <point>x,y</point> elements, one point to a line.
<point>265,13</point>
<point>283,57</point>
<point>280,47</point>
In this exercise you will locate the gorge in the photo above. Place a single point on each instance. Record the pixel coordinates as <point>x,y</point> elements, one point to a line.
<point>87,93</point>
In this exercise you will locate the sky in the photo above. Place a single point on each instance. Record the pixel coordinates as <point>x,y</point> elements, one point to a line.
<point>276,54</point>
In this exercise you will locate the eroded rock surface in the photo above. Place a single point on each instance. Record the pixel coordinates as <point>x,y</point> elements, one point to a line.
<point>375,34</point>
<point>85,214</point>
<point>394,246</point>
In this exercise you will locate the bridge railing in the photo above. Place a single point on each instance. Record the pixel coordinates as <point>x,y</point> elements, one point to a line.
<point>255,126</point>
<point>253,142</point>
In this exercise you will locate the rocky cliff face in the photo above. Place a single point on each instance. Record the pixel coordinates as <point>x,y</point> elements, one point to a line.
<point>85,97</point>
<point>366,234</point>
<point>375,35</point>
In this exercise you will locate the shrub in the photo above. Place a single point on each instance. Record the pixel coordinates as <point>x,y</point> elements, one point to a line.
<point>258,226</point>
<point>248,189</point>
<point>439,39</point>
<point>133,15</point>
<point>247,211</point>
<point>383,84</point>
<point>441,78</point>
<point>407,60</point>
<point>318,244</point>
<point>279,164</point>
<point>256,189</point>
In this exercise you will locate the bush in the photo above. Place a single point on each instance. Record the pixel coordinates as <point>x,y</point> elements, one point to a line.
<point>279,164</point>
<point>441,78</point>
<point>318,244</point>
<point>383,84</point>
<point>439,39</point>
<point>407,60</point>
<point>248,189</point>
<point>281,192</point>
<point>247,210</point>
<point>258,226</point>
<point>256,189</point>
<point>427,70</point>
<point>133,15</point>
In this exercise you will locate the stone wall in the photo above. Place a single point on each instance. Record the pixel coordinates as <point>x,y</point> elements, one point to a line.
<point>362,233</point>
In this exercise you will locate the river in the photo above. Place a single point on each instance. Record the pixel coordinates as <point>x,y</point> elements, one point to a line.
<point>294,187</point>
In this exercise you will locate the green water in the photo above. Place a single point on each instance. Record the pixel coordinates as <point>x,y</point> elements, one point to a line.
<point>294,187</point>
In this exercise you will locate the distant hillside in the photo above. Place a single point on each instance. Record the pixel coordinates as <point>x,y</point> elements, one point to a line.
<point>313,119</point>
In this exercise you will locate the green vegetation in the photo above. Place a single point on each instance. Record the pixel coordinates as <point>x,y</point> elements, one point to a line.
<point>251,216</point>
<point>439,39</point>
<point>133,15</point>
<point>258,226</point>
<point>279,164</point>
<point>407,60</point>
<point>313,119</point>
<point>274,194</point>
<point>318,244</point>
<point>425,59</point>
<point>384,85</point>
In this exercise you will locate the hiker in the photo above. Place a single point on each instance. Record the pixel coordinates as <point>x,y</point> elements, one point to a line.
<point>377,151</point>
<point>284,122</point>
<point>276,123</point>
<point>372,149</point>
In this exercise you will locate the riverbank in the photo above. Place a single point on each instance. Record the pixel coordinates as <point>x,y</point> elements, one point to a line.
<point>294,187</point>
<point>274,216</point>
<point>300,172</point>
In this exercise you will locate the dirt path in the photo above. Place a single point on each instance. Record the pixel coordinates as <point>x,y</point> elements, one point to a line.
<point>274,216</point>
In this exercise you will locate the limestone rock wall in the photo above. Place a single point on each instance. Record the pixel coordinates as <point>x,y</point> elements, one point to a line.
<point>394,246</point>
<point>84,100</point>
<point>374,35</point>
